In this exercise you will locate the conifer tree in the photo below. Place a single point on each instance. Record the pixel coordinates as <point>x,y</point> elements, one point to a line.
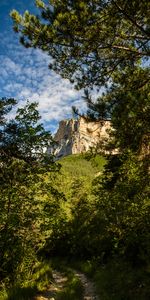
<point>95,44</point>
<point>88,40</point>
<point>100,43</point>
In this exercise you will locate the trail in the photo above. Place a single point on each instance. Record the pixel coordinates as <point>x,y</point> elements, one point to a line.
<point>60,281</point>
<point>89,289</point>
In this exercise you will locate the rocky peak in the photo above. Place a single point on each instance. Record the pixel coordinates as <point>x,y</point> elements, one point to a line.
<point>78,136</point>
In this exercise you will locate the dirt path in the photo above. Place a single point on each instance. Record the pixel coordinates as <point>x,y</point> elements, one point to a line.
<point>60,281</point>
<point>89,289</point>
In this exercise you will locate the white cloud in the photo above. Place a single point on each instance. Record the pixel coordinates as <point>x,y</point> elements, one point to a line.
<point>25,75</point>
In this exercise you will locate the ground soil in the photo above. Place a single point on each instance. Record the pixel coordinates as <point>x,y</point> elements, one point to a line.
<point>60,281</point>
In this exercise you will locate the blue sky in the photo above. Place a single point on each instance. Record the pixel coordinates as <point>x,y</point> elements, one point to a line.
<point>25,74</point>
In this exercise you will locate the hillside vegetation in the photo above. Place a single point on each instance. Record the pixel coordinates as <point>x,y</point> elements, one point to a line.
<point>82,165</point>
<point>93,214</point>
<point>79,169</point>
<point>87,210</point>
<point>74,180</point>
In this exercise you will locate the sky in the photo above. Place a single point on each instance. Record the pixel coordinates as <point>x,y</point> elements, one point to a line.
<point>24,73</point>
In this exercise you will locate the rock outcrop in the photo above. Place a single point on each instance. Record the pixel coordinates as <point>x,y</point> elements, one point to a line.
<point>78,136</point>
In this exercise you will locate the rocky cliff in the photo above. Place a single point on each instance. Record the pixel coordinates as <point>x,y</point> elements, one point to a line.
<point>78,136</point>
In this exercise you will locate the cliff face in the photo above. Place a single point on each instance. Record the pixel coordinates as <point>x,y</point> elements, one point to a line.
<point>78,136</point>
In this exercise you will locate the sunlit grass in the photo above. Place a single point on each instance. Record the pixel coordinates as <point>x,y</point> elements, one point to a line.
<point>73,289</point>
<point>40,279</point>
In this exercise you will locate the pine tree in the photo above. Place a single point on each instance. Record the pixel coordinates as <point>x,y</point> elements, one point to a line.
<point>106,44</point>
<point>95,44</point>
<point>88,40</point>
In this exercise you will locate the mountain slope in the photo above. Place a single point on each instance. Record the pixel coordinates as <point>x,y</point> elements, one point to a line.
<point>80,165</point>
<point>77,173</point>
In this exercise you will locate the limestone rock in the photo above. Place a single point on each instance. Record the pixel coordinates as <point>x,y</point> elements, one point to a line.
<point>78,136</point>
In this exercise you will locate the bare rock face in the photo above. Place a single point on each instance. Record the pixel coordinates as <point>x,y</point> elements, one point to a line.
<point>78,136</point>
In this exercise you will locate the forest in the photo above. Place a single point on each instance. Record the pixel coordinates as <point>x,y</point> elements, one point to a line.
<point>89,212</point>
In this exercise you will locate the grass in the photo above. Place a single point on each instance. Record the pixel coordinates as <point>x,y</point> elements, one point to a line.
<point>21,293</point>
<point>117,280</point>
<point>39,281</point>
<point>73,289</point>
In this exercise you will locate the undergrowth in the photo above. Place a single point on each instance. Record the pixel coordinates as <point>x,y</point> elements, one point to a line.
<point>73,289</point>
<point>117,280</point>
<point>40,279</point>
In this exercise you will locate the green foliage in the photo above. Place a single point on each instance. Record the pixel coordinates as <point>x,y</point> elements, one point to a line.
<point>39,280</point>
<point>42,276</point>
<point>123,201</point>
<point>70,235</point>
<point>73,288</point>
<point>116,280</point>
<point>95,43</point>
<point>5,106</point>
<point>127,103</point>
<point>27,197</point>
<point>88,40</point>
<point>119,281</point>
<point>104,43</point>
<point>77,173</point>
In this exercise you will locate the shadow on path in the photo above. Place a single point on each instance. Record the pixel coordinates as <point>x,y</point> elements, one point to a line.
<point>60,282</point>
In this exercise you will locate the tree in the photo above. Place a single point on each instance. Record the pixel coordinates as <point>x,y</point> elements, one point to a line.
<point>27,196</point>
<point>123,202</point>
<point>127,104</point>
<point>5,106</point>
<point>88,40</point>
<point>106,44</point>
<point>99,43</point>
